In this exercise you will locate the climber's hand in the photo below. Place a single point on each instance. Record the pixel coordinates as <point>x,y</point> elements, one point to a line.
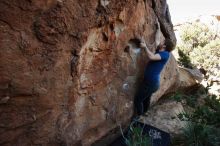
<point>143,45</point>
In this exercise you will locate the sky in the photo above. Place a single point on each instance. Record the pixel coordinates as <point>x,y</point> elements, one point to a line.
<point>181,10</point>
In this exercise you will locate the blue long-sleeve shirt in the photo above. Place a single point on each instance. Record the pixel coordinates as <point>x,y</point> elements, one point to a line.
<point>154,68</point>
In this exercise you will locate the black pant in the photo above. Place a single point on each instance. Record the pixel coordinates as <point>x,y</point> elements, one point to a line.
<point>143,96</point>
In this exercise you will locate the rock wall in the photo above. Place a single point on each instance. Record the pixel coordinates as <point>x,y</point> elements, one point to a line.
<point>67,75</point>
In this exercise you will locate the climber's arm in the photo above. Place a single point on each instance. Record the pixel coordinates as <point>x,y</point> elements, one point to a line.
<point>150,54</point>
<point>143,45</point>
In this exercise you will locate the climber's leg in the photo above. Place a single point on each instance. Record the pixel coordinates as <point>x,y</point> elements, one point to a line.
<point>142,100</point>
<point>138,100</point>
<point>148,94</point>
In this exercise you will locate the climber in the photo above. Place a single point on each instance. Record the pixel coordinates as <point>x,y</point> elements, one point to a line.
<point>152,71</point>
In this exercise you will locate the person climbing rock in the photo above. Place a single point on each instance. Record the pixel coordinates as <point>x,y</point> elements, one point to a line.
<point>152,72</point>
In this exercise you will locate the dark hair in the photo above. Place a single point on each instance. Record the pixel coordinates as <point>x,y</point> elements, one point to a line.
<point>169,45</point>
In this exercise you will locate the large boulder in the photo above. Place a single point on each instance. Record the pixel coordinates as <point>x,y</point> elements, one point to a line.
<point>189,77</point>
<point>67,76</point>
<point>164,117</point>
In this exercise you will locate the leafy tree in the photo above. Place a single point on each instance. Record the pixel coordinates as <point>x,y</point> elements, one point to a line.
<point>199,46</point>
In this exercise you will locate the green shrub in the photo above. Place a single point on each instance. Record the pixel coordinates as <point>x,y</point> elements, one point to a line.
<point>203,127</point>
<point>196,34</point>
<point>184,60</point>
<point>203,120</point>
<point>190,100</point>
<point>196,134</point>
<point>208,114</point>
<point>199,47</point>
<point>137,138</point>
<point>178,96</point>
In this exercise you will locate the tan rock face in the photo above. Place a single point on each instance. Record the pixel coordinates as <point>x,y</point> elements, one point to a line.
<point>164,117</point>
<point>67,76</point>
